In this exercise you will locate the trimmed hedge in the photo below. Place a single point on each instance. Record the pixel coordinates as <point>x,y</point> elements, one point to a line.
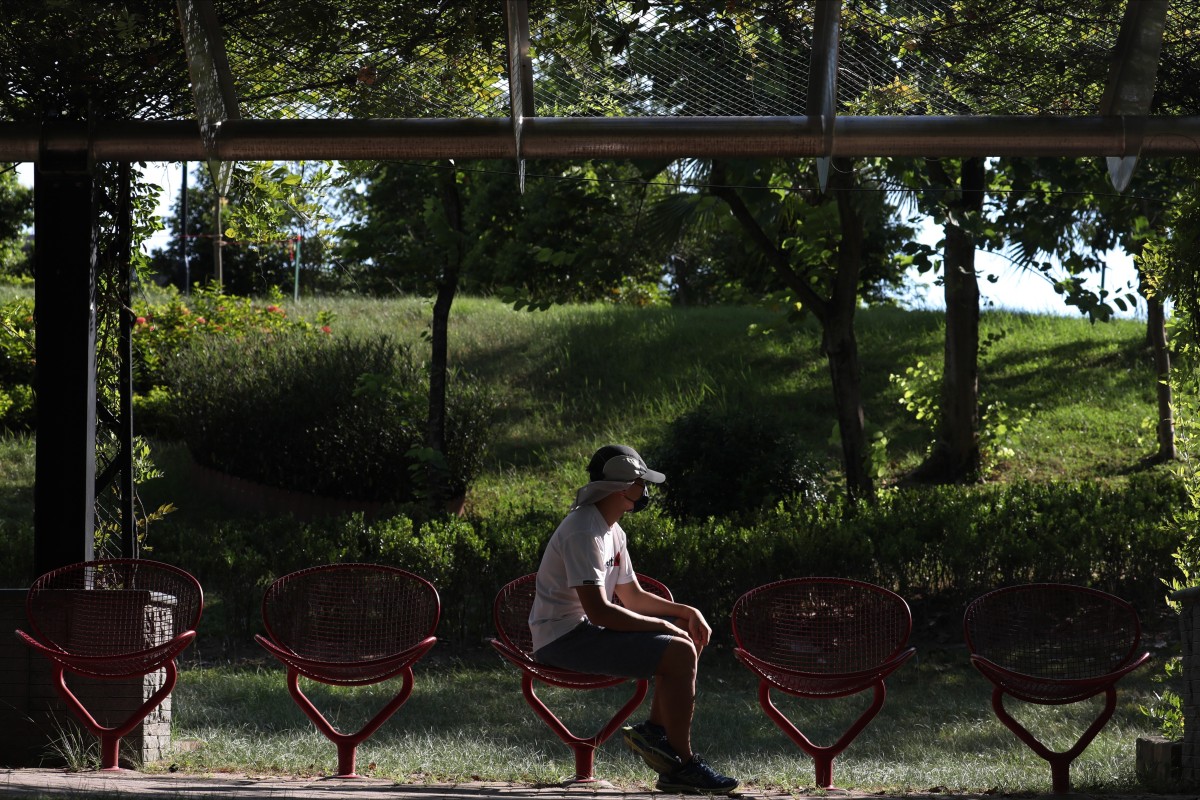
<point>945,544</point>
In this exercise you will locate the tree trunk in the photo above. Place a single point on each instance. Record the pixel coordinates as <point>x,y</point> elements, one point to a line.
<point>955,457</point>
<point>439,487</point>
<point>836,315</point>
<point>1156,333</point>
<point>838,340</point>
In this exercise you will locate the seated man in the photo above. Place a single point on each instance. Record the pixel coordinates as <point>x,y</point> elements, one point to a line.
<point>576,625</point>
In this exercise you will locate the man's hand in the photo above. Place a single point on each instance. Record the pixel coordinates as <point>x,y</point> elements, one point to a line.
<point>697,627</point>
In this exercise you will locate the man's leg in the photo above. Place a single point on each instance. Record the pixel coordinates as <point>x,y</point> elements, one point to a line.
<point>674,700</point>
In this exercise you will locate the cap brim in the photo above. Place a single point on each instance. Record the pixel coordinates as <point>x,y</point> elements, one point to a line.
<point>653,476</point>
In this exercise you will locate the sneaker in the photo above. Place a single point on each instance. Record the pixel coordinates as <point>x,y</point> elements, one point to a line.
<point>649,741</point>
<point>696,777</point>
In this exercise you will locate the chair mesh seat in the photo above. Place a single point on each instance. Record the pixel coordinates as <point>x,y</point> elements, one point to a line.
<point>348,624</point>
<point>123,610</point>
<point>1046,631</point>
<point>822,626</point>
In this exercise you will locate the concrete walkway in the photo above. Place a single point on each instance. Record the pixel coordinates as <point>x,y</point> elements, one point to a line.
<point>57,783</point>
<point>52,783</point>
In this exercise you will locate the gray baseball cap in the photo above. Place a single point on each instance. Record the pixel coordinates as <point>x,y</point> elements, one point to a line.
<point>617,462</point>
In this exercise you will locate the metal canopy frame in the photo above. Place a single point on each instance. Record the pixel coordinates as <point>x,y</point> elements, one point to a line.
<point>1122,129</point>
<point>221,132</point>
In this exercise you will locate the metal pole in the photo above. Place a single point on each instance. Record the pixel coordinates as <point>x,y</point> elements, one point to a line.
<point>218,242</point>
<point>296,260</point>
<point>129,542</point>
<point>65,263</point>
<point>619,137</point>
<point>183,229</point>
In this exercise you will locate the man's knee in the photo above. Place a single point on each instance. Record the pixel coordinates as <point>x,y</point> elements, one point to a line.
<point>679,659</point>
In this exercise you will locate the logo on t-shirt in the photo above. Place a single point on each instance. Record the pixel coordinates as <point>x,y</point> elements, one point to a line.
<point>615,561</point>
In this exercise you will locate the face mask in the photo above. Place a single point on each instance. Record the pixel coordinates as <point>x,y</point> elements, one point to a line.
<point>642,501</point>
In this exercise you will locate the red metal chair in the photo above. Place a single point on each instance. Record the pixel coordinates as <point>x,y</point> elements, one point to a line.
<point>113,619</point>
<point>349,625</point>
<point>1053,644</point>
<point>821,638</point>
<point>515,643</point>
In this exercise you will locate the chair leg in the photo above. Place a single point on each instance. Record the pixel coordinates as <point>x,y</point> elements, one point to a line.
<point>1060,763</point>
<point>822,756</point>
<point>583,748</point>
<point>347,743</point>
<point>110,737</point>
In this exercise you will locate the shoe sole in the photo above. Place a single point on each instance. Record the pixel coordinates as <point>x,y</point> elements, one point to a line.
<point>655,759</point>
<point>687,788</point>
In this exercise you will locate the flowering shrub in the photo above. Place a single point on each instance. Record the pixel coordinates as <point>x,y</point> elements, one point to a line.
<point>162,330</point>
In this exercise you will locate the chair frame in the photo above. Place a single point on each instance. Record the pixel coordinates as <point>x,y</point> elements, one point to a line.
<point>515,647</point>
<point>1043,690</point>
<point>115,665</point>
<point>347,673</point>
<point>817,685</point>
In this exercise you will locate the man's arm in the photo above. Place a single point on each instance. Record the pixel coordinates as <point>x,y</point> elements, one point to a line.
<point>634,597</point>
<point>625,618</point>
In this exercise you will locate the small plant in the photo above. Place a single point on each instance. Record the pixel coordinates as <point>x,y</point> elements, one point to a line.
<point>16,365</point>
<point>1167,708</point>
<point>920,388</point>
<point>74,747</point>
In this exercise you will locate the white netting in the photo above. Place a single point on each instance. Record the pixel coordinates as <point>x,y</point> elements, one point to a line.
<point>593,58</point>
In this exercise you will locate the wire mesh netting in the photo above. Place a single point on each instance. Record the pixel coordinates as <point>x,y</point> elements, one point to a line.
<point>590,58</point>
<point>825,626</point>
<point>1053,631</point>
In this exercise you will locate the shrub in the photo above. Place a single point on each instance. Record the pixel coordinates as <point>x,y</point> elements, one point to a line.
<point>16,366</point>
<point>722,463</point>
<point>339,418</point>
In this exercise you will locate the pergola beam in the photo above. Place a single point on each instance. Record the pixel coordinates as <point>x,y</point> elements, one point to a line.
<point>1130,86</point>
<point>615,137</point>
<point>822,80</point>
<point>520,76</point>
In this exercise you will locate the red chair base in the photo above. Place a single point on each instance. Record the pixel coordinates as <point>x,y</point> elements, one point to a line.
<point>1060,762</point>
<point>584,748</point>
<point>347,743</point>
<point>110,737</point>
<point>822,756</point>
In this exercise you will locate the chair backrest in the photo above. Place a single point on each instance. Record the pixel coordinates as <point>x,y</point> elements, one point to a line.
<point>510,612</point>
<point>350,613</point>
<point>113,607</point>
<point>1053,630</point>
<point>822,626</point>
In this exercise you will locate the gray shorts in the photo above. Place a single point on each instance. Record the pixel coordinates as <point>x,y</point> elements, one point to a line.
<point>602,651</point>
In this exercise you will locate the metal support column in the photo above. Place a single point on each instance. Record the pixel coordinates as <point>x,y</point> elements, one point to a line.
<point>65,230</point>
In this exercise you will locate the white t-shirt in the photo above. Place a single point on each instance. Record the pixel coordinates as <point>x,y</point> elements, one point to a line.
<point>584,551</point>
